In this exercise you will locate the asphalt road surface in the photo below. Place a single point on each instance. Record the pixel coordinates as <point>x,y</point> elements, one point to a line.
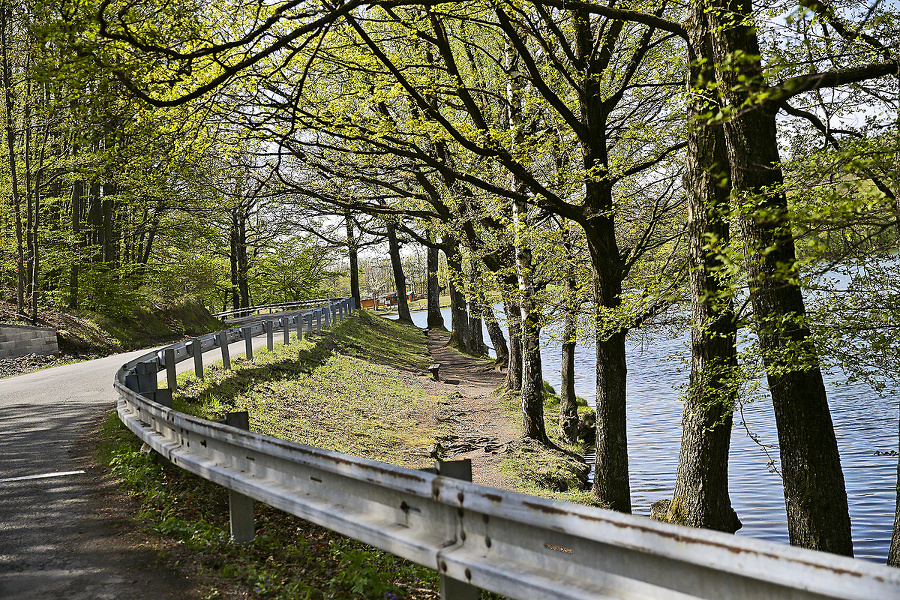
<point>56,538</point>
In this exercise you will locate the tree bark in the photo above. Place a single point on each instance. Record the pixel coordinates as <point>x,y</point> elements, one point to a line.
<point>701,498</point>
<point>353,254</point>
<point>815,495</point>
<point>399,277</point>
<point>495,332</point>
<point>9,105</point>
<point>514,363</point>
<point>476,320</point>
<point>435,318</point>
<point>459,317</point>
<point>568,404</point>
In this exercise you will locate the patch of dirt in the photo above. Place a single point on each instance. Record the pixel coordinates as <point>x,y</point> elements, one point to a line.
<point>482,432</point>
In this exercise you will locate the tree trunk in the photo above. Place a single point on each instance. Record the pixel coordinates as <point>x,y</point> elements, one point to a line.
<point>476,322</point>
<point>459,318</point>
<point>514,363</point>
<point>495,332</point>
<point>9,105</point>
<point>243,262</point>
<point>353,253</point>
<point>532,390</point>
<point>435,318</point>
<point>815,495</point>
<point>77,191</point>
<point>568,405</point>
<point>701,495</point>
<point>611,483</point>
<point>30,229</point>
<point>399,277</point>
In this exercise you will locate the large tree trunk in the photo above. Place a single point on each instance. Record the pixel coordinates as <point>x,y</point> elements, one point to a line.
<point>815,495</point>
<point>435,318</point>
<point>243,262</point>
<point>611,484</point>
<point>532,391</point>
<point>476,322</point>
<point>399,277</point>
<point>701,495</point>
<point>353,253</point>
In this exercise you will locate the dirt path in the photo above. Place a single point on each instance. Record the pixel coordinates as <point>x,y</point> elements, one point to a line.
<point>483,433</point>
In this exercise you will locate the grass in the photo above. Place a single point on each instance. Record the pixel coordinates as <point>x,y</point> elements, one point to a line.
<point>351,389</point>
<point>542,471</point>
<point>319,391</point>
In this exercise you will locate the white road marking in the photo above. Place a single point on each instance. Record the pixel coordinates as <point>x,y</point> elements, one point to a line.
<point>44,476</point>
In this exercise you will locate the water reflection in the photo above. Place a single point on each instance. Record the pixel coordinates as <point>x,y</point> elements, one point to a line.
<point>864,424</point>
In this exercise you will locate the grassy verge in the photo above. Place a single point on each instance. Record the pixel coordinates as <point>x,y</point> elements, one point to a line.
<point>132,328</point>
<point>334,391</point>
<point>542,471</point>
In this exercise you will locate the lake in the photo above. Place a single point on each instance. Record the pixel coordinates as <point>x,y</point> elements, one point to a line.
<point>865,424</point>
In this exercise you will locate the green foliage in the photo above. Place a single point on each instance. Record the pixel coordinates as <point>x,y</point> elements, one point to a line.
<point>137,327</point>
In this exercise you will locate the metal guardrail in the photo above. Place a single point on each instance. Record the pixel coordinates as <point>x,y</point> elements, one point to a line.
<point>272,307</point>
<point>521,546</point>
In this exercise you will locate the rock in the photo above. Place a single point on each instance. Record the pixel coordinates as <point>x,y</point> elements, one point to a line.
<point>659,510</point>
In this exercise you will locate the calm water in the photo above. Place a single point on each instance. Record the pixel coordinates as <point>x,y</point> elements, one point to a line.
<point>864,423</point>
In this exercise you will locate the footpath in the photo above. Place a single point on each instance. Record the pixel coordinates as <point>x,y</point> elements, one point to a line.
<point>483,433</point>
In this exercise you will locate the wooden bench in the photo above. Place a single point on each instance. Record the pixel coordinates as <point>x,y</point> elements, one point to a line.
<point>435,368</point>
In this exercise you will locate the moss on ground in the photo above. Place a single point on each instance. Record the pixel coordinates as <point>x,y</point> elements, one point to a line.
<point>541,471</point>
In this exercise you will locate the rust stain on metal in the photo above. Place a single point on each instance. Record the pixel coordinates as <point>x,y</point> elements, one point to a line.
<point>550,510</point>
<point>562,549</point>
<point>494,497</point>
<point>688,539</point>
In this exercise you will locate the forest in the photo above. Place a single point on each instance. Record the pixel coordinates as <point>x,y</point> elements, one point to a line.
<point>722,166</point>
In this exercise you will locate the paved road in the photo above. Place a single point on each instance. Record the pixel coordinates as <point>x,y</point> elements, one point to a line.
<point>55,542</point>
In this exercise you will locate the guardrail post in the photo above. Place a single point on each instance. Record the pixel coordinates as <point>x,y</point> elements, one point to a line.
<point>453,589</point>
<point>299,326</point>
<point>195,349</point>
<point>286,328</point>
<point>138,380</point>
<point>308,317</point>
<point>222,338</point>
<point>318,312</point>
<point>169,361</point>
<point>247,332</point>
<point>270,335</point>
<point>240,507</point>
